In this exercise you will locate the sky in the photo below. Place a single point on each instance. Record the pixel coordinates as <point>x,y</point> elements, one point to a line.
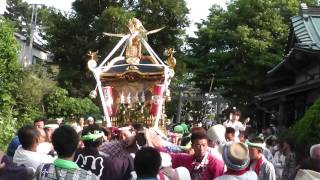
<point>199,9</point>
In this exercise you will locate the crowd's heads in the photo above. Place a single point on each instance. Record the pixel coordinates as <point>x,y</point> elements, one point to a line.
<point>39,123</point>
<point>288,144</point>
<point>269,131</point>
<point>92,136</point>
<point>242,136</point>
<point>140,134</point>
<point>127,135</point>
<point>65,141</point>
<point>216,134</point>
<point>196,130</point>
<point>178,129</point>
<point>137,127</point>
<point>90,120</point>
<point>153,159</point>
<point>185,143</point>
<point>81,121</point>
<point>256,146</point>
<point>236,156</point>
<point>236,112</point>
<point>42,135</point>
<point>199,135</point>
<point>185,127</point>
<point>49,129</point>
<point>28,136</point>
<point>235,115</point>
<point>230,134</point>
<point>199,142</point>
<point>107,134</point>
<point>315,151</point>
<point>269,142</point>
<point>59,121</point>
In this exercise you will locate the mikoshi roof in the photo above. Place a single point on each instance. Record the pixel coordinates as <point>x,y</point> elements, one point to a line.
<point>144,71</point>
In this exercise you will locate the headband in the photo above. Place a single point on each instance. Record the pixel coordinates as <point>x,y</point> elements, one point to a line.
<point>92,136</point>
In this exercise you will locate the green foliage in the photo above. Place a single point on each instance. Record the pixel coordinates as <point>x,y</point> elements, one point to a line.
<point>20,13</point>
<point>10,75</point>
<point>21,92</point>
<point>59,104</point>
<point>239,45</point>
<point>36,83</point>
<point>8,127</point>
<point>306,131</point>
<point>163,13</point>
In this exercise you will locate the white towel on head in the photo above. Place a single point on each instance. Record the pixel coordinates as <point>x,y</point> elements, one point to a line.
<point>304,174</point>
<point>183,173</point>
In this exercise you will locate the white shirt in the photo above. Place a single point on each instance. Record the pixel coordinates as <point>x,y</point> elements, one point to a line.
<point>304,174</point>
<point>183,174</point>
<point>44,148</point>
<point>249,175</point>
<point>236,125</point>
<point>279,162</point>
<point>30,159</point>
<point>215,152</point>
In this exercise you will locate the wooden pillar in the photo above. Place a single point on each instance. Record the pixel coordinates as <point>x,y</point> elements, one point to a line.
<point>282,112</point>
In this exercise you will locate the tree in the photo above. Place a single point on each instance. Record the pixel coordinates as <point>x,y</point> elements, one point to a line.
<point>20,12</point>
<point>71,36</point>
<point>237,46</point>
<point>37,82</point>
<point>305,131</point>
<point>59,104</point>
<point>10,75</point>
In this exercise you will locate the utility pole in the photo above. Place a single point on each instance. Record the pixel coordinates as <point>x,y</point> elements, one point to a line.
<point>178,117</point>
<point>33,25</point>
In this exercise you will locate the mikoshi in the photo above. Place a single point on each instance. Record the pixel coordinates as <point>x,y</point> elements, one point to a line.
<point>132,85</point>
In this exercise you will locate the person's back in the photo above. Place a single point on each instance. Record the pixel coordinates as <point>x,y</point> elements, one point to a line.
<point>249,175</point>
<point>170,173</point>
<point>13,146</point>
<point>66,172</point>
<point>236,158</point>
<point>9,170</point>
<point>27,158</point>
<point>147,163</point>
<point>98,163</point>
<point>65,140</point>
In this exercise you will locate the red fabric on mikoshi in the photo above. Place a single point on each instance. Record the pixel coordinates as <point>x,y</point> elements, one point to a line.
<point>157,98</point>
<point>107,92</point>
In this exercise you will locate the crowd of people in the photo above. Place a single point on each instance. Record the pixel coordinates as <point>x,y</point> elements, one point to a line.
<point>88,150</point>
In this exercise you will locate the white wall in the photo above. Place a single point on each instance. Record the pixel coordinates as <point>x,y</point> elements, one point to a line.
<point>36,52</point>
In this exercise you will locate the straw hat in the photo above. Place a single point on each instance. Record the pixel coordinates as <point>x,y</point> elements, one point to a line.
<point>236,156</point>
